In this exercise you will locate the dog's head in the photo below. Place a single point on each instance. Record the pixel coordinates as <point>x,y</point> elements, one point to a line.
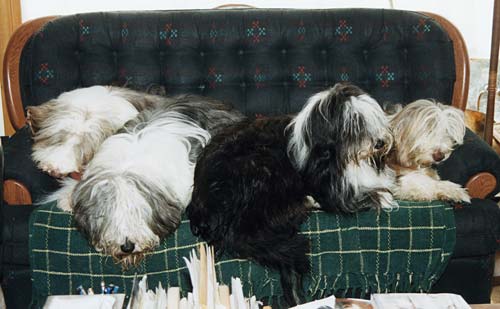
<point>65,138</point>
<point>68,130</point>
<point>426,132</point>
<point>124,215</point>
<point>339,130</point>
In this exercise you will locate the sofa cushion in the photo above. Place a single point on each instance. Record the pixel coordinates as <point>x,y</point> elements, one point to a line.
<point>20,166</point>
<point>264,61</point>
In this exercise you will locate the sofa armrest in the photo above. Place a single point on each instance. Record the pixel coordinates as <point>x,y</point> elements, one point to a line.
<point>22,180</point>
<point>470,159</point>
<point>477,228</point>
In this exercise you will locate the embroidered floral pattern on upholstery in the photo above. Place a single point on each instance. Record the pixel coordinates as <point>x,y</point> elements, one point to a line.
<point>44,74</point>
<point>168,34</point>
<point>215,33</point>
<point>123,77</point>
<point>301,31</point>
<point>259,77</point>
<point>421,28</point>
<point>385,32</point>
<point>256,32</point>
<point>301,76</point>
<point>124,32</point>
<point>84,30</point>
<point>344,74</point>
<point>385,76</point>
<point>423,73</point>
<point>343,31</point>
<point>214,78</point>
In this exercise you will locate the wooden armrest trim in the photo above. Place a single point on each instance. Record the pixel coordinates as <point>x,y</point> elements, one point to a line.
<point>11,62</point>
<point>462,69</point>
<point>481,185</point>
<point>16,193</point>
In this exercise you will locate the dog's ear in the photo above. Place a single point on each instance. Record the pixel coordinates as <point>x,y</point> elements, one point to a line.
<point>156,89</point>
<point>326,180</point>
<point>391,109</point>
<point>166,213</point>
<point>33,118</point>
<point>37,115</point>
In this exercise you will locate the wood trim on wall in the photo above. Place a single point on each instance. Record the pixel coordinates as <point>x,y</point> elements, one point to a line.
<point>10,19</point>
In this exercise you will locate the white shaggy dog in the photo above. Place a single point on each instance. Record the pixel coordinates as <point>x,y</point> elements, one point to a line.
<point>68,129</point>
<point>137,186</point>
<point>425,134</point>
<point>139,181</point>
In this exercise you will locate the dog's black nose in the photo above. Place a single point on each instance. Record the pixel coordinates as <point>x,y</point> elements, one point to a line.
<point>438,156</point>
<point>128,246</point>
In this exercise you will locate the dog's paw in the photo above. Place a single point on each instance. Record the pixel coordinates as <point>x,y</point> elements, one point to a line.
<point>51,170</point>
<point>58,162</point>
<point>65,204</point>
<point>387,201</point>
<point>453,192</point>
<point>310,203</point>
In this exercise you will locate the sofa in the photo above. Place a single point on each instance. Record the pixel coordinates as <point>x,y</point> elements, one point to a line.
<point>265,62</point>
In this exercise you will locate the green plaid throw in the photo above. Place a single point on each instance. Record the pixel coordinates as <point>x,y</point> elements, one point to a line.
<point>400,251</point>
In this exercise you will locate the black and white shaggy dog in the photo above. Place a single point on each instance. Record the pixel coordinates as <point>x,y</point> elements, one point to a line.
<point>134,190</point>
<point>253,180</point>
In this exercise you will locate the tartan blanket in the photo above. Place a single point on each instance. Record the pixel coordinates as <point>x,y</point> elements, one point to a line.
<point>372,252</point>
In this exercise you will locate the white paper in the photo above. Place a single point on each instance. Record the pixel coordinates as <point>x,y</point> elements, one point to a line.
<point>327,302</point>
<point>417,301</point>
<point>113,301</point>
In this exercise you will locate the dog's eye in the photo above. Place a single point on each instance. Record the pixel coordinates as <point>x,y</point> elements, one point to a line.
<point>380,144</point>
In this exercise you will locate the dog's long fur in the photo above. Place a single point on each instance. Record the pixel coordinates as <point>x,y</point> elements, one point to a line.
<point>68,129</point>
<point>425,134</point>
<point>134,190</point>
<point>252,181</point>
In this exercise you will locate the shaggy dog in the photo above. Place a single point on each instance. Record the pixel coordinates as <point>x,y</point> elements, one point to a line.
<point>134,190</point>
<point>252,181</point>
<point>425,134</point>
<point>68,130</point>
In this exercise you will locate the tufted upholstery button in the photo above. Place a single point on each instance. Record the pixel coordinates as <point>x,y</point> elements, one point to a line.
<point>283,51</point>
<point>323,51</point>
<point>365,54</point>
<point>243,85</point>
<point>240,52</point>
<point>202,53</point>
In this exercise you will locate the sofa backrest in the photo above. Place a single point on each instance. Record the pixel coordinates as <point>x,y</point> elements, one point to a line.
<point>264,61</point>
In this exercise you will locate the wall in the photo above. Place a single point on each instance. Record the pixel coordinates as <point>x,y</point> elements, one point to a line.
<point>473,18</point>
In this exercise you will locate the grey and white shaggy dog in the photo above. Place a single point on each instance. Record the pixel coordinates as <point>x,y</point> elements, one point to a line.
<point>425,134</point>
<point>139,181</point>
<point>253,180</point>
<point>68,130</point>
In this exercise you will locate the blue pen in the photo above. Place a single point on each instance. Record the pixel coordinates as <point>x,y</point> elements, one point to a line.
<point>80,290</point>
